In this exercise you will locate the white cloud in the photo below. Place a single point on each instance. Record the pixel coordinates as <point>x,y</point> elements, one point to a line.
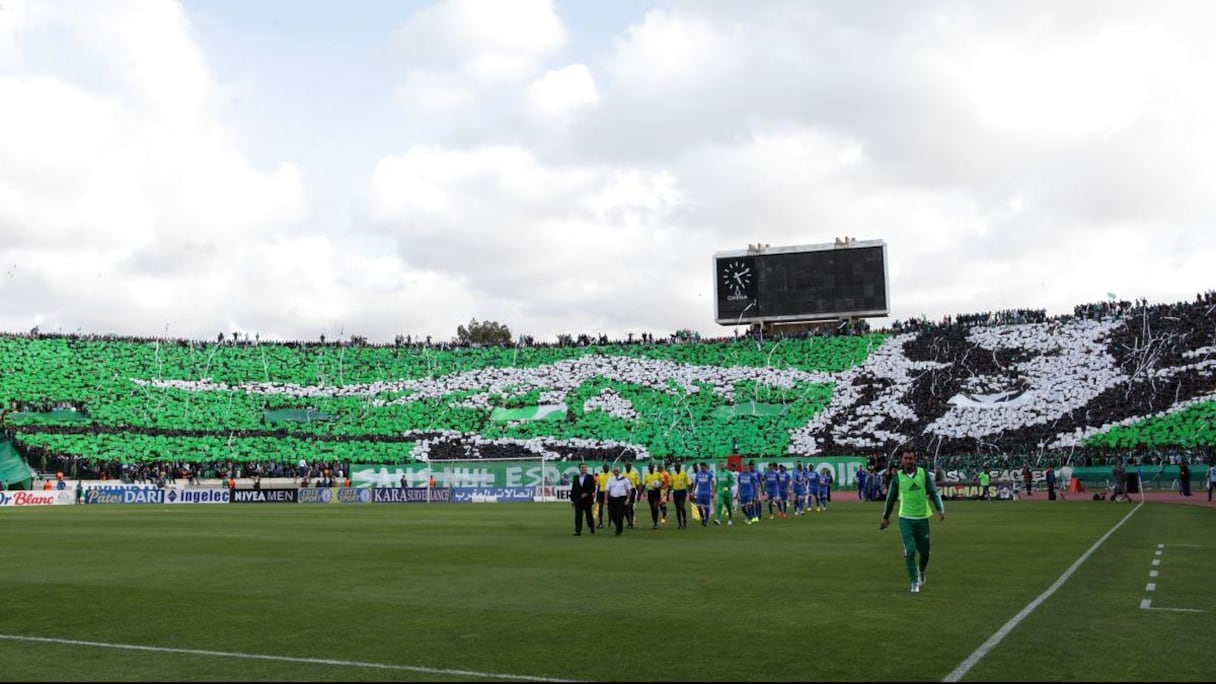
<point>562,91</point>
<point>463,29</point>
<point>1090,84</point>
<point>435,94</point>
<point>792,124</point>
<point>457,49</point>
<point>671,50</point>
<point>510,229</point>
<point>122,195</point>
<point>1033,154</point>
<point>13,18</point>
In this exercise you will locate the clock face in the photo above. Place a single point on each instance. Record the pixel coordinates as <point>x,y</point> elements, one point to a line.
<point>737,275</point>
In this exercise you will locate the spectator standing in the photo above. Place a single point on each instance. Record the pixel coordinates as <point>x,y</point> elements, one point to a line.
<point>888,476</point>
<point>1050,476</point>
<point>1118,473</point>
<point>985,483</point>
<point>1184,478</point>
<point>1211,479</point>
<point>1027,478</point>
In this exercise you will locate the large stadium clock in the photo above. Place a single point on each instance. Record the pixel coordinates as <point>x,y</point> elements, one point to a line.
<point>801,283</point>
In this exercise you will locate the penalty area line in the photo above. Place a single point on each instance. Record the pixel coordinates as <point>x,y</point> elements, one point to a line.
<point>965,666</point>
<point>282,659</point>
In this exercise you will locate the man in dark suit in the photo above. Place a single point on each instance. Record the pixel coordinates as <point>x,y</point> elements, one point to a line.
<point>582,497</point>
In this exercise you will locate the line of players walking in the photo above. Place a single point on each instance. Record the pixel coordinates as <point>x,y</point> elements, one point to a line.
<point>715,496</point>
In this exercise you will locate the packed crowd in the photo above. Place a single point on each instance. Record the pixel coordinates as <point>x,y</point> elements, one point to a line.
<point>1010,384</point>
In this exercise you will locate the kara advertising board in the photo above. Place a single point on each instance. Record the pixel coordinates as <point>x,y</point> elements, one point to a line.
<point>410,495</point>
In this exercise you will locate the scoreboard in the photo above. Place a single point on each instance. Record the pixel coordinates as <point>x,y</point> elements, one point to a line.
<point>801,283</point>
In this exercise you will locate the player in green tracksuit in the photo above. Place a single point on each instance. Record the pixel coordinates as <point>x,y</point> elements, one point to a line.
<point>724,482</point>
<point>914,489</point>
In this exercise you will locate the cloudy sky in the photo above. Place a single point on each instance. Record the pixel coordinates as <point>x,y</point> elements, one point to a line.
<point>294,168</point>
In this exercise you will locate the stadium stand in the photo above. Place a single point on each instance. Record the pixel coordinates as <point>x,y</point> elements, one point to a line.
<point>1112,381</point>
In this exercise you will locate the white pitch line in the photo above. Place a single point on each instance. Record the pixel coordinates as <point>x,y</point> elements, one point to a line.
<point>1146,603</point>
<point>1175,610</point>
<point>1152,573</point>
<point>283,659</point>
<point>965,666</point>
<point>1151,586</point>
<point>1156,561</point>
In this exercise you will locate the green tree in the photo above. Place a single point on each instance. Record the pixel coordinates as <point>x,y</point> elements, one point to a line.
<point>485,332</point>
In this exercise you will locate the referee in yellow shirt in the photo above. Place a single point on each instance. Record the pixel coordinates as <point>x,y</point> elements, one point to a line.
<point>635,484</point>
<point>653,482</point>
<point>680,484</point>
<point>601,495</point>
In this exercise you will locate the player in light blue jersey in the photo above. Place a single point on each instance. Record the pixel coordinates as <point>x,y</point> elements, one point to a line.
<point>772,490</point>
<point>758,481</point>
<point>799,488</point>
<point>783,485</point>
<point>812,487</point>
<point>703,492</point>
<point>747,493</point>
<point>825,488</point>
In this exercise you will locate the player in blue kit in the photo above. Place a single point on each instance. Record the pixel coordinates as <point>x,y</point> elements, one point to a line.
<point>703,493</point>
<point>825,489</point>
<point>772,491</point>
<point>783,486</point>
<point>799,488</point>
<point>812,487</point>
<point>747,494</point>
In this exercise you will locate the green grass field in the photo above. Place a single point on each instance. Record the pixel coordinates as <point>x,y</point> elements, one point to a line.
<point>454,592</point>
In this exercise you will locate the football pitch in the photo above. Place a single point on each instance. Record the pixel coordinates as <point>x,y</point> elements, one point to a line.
<point>1021,591</point>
